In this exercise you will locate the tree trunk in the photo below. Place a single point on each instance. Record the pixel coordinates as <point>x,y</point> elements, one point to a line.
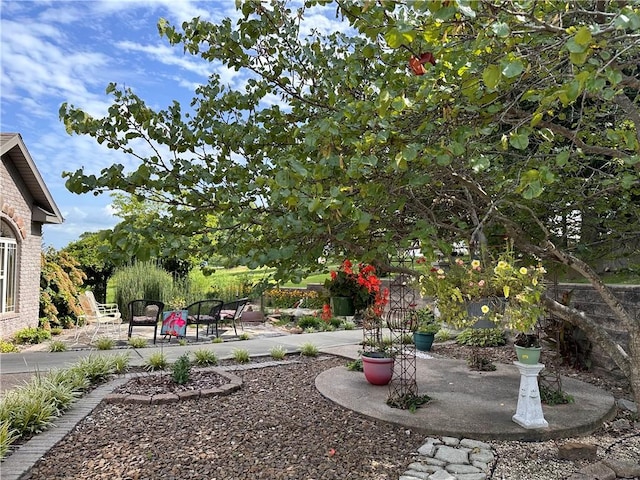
<point>634,363</point>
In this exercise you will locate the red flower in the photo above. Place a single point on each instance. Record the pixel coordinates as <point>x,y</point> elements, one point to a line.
<point>326,312</point>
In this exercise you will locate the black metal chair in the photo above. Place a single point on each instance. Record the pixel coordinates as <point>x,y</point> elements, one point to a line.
<point>232,311</point>
<point>145,313</point>
<point>204,312</point>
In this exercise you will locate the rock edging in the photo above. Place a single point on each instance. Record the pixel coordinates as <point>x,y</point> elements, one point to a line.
<point>234,384</point>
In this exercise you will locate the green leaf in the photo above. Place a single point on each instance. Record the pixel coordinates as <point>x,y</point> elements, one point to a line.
<point>443,159</point>
<point>401,161</point>
<point>480,163</point>
<point>628,180</point>
<point>395,38</point>
<point>315,204</point>
<point>491,76</point>
<point>575,47</point>
<point>368,51</point>
<point>364,221</point>
<point>501,29</point>
<point>530,186</point>
<point>465,9</point>
<point>519,140</point>
<point>536,119</point>
<point>578,58</point>
<point>583,36</point>
<point>562,158</point>
<point>512,68</point>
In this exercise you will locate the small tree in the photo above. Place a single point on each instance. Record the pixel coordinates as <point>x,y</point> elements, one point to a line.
<point>436,121</point>
<point>92,255</point>
<point>60,282</point>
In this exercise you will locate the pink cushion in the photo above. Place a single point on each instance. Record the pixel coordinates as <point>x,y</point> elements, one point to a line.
<point>227,313</point>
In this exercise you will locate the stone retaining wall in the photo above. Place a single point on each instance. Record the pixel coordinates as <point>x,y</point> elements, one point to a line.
<point>583,297</point>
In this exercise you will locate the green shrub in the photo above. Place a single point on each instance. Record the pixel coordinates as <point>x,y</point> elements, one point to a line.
<point>217,340</point>
<point>31,408</point>
<point>120,362</point>
<point>57,346</point>
<point>241,355</point>
<point>182,342</point>
<point>550,396</point>
<point>55,331</point>
<point>443,336</point>
<point>482,337</point>
<point>141,280</point>
<point>278,352</point>
<point>348,325</point>
<point>95,367</point>
<point>7,347</point>
<point>157,361</point>
<point>137,342</point>
<point>244,336</point>
<point>7,436</point>
<point>27,411</point>
<point>61,394</point>
<point>74,378</point>
<point>205,357</point>
<point>355,365</point>
<point>335,322</point>
<point>105,343</point>
<point>308,321</point>
<point>308,349</point>
<point>406,339</point>
<point>228,285</point>
<point>181,369</point>
<point>31,335</point>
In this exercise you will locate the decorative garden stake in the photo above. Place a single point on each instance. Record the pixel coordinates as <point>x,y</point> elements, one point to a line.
<point>402,320</point>
<point>529,410</point>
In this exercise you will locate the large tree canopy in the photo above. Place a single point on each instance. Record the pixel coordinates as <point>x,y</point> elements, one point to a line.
<point>516,118</point>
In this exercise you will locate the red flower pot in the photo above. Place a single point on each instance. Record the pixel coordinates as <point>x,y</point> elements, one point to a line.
<point>377,370</point>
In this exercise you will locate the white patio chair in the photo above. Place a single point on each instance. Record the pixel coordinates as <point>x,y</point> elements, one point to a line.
<point>100,314</point>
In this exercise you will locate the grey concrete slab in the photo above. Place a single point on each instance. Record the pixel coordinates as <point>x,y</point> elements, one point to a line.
<point>469,404</point>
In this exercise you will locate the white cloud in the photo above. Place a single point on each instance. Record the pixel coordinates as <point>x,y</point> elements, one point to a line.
<point>55,51</point>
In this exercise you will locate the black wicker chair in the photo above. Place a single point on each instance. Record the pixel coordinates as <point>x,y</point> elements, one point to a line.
<point>145,313</point>
<point>232,311</point>
<point>204,312</point>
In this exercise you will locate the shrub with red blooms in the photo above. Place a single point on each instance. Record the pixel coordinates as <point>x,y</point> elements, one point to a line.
<point>361,284</point>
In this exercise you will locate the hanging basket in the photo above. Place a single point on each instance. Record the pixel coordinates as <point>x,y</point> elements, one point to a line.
<point>474,310</point>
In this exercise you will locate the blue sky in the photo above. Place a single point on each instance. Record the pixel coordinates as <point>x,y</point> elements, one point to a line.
<point>68,51</point>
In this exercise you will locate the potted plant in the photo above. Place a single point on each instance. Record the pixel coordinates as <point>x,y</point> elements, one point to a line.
<point>352,289</point>
<point>504,292</point>
<point>377,357</point>
<point>427,327</point>
<point>527,347</point>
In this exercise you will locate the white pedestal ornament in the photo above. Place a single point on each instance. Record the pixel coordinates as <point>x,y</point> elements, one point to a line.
<point>529,410</point>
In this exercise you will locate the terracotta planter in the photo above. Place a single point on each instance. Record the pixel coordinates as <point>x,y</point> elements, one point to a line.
<point>377,370</point>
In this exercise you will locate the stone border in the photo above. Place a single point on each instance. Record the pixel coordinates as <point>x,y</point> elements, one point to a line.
<point>234,384</point>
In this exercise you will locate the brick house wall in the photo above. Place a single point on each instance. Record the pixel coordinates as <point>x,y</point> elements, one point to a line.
<point>19,199</point>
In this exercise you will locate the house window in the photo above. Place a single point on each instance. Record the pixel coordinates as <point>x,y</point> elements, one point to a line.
<point>8,268</point>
